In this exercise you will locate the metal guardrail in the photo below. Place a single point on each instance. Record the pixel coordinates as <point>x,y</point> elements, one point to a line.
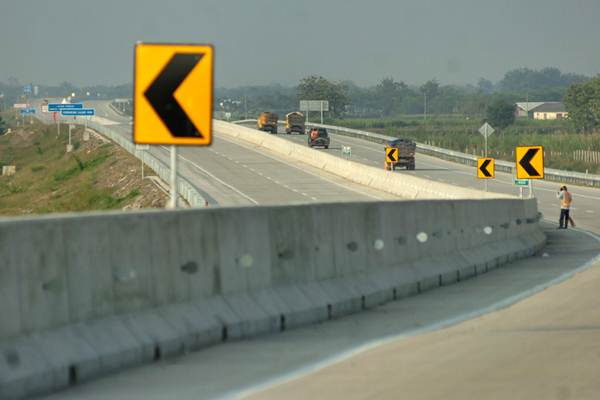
<point>551,174</point>
<point>185,189</point>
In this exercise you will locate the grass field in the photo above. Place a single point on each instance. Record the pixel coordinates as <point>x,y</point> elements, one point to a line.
<point>461,134</point>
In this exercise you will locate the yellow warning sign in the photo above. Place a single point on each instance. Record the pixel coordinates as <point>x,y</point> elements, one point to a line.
<point>391,155</point>
<point>486,168</point>
<point>530,162</point>
<point>173,94</point>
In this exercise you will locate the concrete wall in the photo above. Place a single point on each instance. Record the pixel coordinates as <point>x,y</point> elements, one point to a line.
<point>82,295</point>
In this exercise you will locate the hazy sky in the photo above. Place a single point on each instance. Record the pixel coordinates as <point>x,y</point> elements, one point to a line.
<point>267,41</point>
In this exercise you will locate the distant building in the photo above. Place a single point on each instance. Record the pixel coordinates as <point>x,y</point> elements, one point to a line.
<point>550,111</point>
<point>541,110</point>
<point>525,109</point>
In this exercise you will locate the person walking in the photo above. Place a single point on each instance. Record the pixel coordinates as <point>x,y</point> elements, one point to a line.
<point>565,205</point>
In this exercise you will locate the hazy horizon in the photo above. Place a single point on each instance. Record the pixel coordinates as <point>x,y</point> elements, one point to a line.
<point>263,42</point>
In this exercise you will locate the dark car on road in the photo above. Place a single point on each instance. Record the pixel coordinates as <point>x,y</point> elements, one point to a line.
<point>318,137</point>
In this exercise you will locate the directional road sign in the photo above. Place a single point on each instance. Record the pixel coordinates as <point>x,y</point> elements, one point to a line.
<point>173,94</point>
<point>57,107</point>
<point>27,111</point>
<point>391,155</point>
<point>27,89</point>
<point>486,130</point>
<point>486,168</point>
<point>76,112</point>
<point>530,162</point>
<point>521,182</point>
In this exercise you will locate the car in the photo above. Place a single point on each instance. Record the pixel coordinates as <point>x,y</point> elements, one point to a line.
<point>318,137</point>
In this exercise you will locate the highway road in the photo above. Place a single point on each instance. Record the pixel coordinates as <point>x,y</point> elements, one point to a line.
<point>231,173</point>
<point>586,201</point>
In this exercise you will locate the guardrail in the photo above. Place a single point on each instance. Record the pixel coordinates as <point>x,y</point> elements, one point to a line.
<point>551,174</point>
<point>185,188</point>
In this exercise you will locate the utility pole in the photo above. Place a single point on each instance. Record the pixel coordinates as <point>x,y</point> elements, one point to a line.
<point>425,106</point>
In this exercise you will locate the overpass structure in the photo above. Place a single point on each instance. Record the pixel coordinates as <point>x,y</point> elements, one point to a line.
<point>89,294</point>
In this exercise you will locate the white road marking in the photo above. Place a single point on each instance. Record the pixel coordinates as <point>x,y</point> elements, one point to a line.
<point>304,170</point>
<point>218,180</point>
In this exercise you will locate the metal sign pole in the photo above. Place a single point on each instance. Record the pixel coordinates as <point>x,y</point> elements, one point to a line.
<point>321,112</point>
<point>531,188</point>
<point>173,202</point>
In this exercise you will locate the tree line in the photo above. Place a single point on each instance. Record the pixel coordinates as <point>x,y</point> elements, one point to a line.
<point>392,98</point>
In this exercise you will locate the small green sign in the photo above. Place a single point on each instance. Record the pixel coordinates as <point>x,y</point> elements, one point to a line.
<point>521,182</point>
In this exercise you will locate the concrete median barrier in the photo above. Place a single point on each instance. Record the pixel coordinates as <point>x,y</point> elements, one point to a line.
<point>84,295</point>
<point>403,185</point>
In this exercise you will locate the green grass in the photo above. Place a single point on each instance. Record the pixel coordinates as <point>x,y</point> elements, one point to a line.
<point>459,134</point>
<point>50,180</point>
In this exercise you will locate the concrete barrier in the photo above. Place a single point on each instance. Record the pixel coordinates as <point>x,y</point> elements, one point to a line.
<point>403,185</point>
<point>550,174</point>
<point>83,295</point>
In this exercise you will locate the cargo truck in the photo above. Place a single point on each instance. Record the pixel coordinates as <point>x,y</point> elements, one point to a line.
<point>294,122</point>
<point>267,121</point>
<point>406,154</point>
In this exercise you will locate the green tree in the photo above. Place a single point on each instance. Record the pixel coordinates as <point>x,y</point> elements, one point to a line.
<point>2,126</point>
<point>500,113</point>
<point>318,88</point>
<point>430,89</point>
<point>389,95</point>
<point>583,104</point>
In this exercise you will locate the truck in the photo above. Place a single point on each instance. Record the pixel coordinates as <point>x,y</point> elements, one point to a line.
<point>406,154</point>
<point>267,121</point>
<point>294,122</point>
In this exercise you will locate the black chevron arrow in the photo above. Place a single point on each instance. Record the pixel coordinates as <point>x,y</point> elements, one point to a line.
<point>483,167</point>
<point>392,155</point>
<point>525,162</point>
<point>161,97</point>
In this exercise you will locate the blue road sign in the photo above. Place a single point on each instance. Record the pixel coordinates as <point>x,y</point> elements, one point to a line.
<point>27,111</point>
<point>27,89</point>
<point>57,107</point>
<point>76,112</point>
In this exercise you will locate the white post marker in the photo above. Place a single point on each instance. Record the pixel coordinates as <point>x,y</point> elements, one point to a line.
<point>173,201</point>
<point>142,148</point>
<point>70,146</point>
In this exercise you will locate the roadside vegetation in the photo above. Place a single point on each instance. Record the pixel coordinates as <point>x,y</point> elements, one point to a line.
<point>96,175</point>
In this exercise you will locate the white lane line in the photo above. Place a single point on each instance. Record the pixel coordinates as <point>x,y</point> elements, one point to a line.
<point>351,189</point>
<point>589,211</point>
<point>222,182</point>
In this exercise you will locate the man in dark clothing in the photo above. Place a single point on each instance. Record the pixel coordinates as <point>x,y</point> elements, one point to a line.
<point>565,205</point>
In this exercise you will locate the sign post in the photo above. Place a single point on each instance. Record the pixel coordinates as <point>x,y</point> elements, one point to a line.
<point>521,183</point>
<point>314,105</point>
<point>173,94</point>
<point>529,161</point>
<point>486,130</point>
<point>57,108</point>
<point>142,148</point>
<point>486,169</point>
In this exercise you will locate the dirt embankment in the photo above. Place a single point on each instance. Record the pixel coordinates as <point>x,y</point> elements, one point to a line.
<point>96,175</point>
